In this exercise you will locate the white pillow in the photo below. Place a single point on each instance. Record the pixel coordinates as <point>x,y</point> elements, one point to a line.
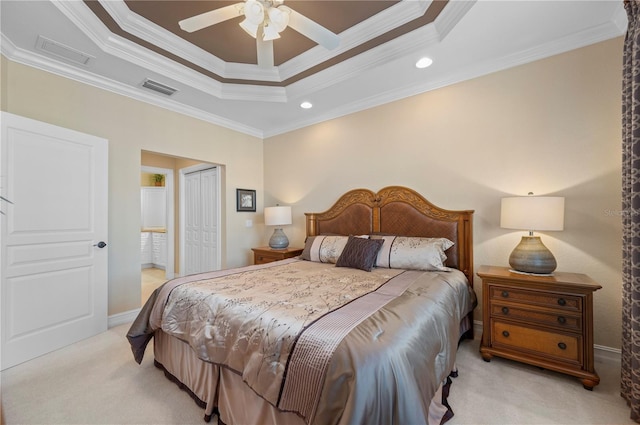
<point>325,249</point>
<point>403,252</point>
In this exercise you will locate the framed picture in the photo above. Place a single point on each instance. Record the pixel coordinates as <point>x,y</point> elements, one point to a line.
<point>245,200</point>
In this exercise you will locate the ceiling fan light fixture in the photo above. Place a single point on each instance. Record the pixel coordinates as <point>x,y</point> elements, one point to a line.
<point>264,21</point>
<point>270,33</point>
<point>250,28</point>
<point>254,12</point>
<point>279,18</point>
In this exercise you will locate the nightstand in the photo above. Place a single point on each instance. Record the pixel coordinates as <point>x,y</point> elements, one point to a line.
<point>264,254</point>
<point>545,321</point>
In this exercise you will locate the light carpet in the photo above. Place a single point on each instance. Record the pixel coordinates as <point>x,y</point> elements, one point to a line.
<point>96,381</point>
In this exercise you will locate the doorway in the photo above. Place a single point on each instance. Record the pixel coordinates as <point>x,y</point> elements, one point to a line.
<point>157,234</point>
<point>170,166</point>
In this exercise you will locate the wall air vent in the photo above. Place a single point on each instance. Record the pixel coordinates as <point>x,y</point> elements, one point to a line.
<point>62,51</point>
<point>159,87</point>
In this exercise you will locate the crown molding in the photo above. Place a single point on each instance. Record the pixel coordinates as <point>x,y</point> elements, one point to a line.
<point>616,27</point>
<point>620,18</point>
<point>451,15</point>
<point>582,39</point>
<point>146,30</point>
<point>385,21</point>
<point>419,39</point>
<point>92,27</point>
<point>381,23</point>
<point>126,50</point>
<point>43,63</point>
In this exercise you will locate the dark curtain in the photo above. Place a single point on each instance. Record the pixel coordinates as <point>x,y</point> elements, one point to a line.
<point>630,382</point>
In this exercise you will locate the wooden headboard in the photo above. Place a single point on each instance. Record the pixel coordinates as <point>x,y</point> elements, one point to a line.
<point>397,210</point>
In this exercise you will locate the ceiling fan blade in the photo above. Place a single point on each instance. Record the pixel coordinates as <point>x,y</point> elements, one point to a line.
<point>265,52</point>
<point>311,29</point>
<point>213,17</point>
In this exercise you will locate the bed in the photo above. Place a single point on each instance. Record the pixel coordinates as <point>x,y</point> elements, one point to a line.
<point>362,328</point>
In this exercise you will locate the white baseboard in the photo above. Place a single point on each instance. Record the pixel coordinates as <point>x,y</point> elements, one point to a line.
<point>600,352</point>
<point>122,318</point>
<point>606,354</point>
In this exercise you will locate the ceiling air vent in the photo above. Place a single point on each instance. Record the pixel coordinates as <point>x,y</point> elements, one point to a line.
<point>61,51</point>
<point>159,87</point>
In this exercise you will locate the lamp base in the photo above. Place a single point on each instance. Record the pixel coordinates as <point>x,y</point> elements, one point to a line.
<point>278,240</point>
<point>531,256</point>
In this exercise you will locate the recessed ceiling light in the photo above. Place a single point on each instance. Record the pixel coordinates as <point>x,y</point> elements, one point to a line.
<point>424,62</point>
<point>306,105</point>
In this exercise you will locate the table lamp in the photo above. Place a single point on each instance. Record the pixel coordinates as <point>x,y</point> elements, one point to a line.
<point>532,213</point>
<point>277,216</point>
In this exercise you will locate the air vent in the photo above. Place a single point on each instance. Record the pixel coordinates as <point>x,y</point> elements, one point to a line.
<point>159,87</point>
<point>61,51</point>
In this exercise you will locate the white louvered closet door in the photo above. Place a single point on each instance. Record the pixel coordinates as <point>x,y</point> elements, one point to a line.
<point>201,232</point>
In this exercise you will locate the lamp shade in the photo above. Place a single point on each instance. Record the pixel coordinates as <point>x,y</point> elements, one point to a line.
<point>277,216</point>
<point>532,213</point>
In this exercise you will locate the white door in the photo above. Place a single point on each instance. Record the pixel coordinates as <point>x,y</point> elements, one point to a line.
<point>192,237</point>
<point>209,229</point>
<point>201,221</point>
<point>54,269</point>
<point>154,207</point>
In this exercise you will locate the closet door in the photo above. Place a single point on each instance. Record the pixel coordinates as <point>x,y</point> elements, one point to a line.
<point>201,218</point>
<point>192,223</point>
<point>209,219</point>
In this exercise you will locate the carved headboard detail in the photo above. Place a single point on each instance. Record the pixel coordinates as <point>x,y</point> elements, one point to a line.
<point>397,210</point>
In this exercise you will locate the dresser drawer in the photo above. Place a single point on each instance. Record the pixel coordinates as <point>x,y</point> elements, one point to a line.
<point>561,320</point>
<point>545,299</point>
<point>262,258</point>
<point>543,343</point>
<point>267,255</point>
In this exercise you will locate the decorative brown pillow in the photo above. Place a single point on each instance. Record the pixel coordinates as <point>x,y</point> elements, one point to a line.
<point>360,253</point>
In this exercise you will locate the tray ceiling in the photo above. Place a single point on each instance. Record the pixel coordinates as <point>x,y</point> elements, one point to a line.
<point>212,73</point>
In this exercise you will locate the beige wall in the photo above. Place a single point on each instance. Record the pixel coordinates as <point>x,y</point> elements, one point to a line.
<point>131,127</point>
<point>550,127</point>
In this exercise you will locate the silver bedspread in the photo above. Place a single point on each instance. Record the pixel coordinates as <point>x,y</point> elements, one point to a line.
<point>322,341</point>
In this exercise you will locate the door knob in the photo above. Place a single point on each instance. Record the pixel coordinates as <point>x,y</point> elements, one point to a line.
<point>100,244</point>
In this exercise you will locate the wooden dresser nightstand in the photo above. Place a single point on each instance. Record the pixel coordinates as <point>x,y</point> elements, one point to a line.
<point>546,321</point>
<point>264,254</point>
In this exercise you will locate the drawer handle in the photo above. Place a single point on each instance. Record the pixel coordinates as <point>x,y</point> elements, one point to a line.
<point>562,320</point>
<point>505,294</point>
<point>562,346</point>
<point>562,301</point>
<point>505,310</point>
<point>505,334</point>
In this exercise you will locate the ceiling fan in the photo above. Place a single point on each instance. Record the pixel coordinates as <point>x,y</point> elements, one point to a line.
<point>264,21</point>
